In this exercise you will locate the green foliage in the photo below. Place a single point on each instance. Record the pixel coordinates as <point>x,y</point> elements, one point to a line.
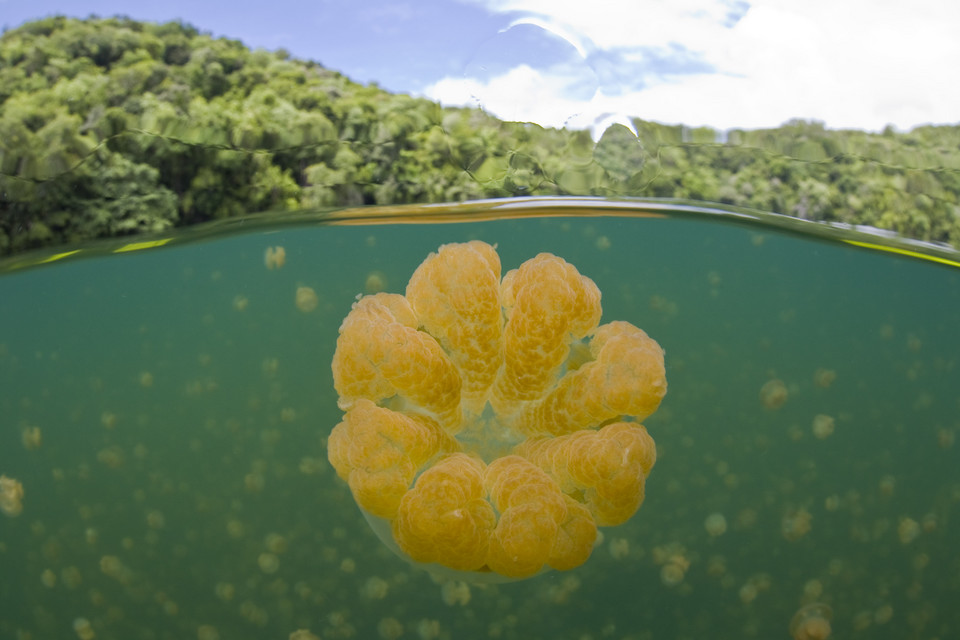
<point>111,127</point>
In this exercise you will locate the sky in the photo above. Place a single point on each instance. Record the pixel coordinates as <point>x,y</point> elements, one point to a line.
<point>861,64</point>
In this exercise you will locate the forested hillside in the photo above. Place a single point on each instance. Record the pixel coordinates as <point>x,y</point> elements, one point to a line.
<point>111,127</point>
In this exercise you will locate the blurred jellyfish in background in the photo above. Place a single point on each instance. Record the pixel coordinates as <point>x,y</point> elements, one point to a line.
<point>11,496</point>
<point>822,426</point>
<point>773,394</point>
<point>306,299</point>
<point>274,257</point>
<point>811,622</point>
<point>715,524</point>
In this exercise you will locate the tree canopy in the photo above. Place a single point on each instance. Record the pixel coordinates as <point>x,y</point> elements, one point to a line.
<point>114,126</point>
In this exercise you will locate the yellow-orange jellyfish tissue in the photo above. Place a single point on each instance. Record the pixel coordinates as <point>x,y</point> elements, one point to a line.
<point>491,423</point>
<point>811,622</point>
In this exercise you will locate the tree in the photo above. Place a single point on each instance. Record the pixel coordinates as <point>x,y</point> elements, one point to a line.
<point>114,126</point>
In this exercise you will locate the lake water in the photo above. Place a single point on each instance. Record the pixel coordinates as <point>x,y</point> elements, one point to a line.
<point>166,412</point>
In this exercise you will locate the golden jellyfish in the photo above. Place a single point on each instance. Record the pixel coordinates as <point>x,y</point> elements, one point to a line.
<point>823,378</point>
<point>888,484</point>
<point>908,530</point>
<point>306,299</point>
<point>48,579</point>
<point>715,524</point>
<point>748,592</point>
<point>795,524</point>
<point>455,592</point>
<point>376,282</point>
<point>108,419</point>
<point>11,496</point>
<point>268,562</point>
<point>83,629</point>
<point>773,394</point>
<point>811,622</point>
<point>375,588</point>
<point>822,426</point>
<point>812,589</point>
<point>619,548</point>
<point>390,628</point>
<point>673,570</point>
<point>492,424</point>
<point>673,562</point>
<point>32,438</point>
<point>207,632</point>
<point>274,257</point>
<point>945,438</point>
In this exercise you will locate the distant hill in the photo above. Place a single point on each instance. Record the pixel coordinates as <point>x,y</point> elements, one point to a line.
<point>113,126</point>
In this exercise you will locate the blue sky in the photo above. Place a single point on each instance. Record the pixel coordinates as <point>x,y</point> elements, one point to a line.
<point>722,63</point>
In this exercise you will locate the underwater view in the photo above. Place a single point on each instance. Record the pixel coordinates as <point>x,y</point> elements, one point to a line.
<point>167,409</point>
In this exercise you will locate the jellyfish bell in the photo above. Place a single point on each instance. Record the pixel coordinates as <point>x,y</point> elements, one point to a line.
<point>492,424</point>
<point>811,622</point>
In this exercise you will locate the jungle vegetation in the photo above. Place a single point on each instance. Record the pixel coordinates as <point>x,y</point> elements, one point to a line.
<point>113,126</point>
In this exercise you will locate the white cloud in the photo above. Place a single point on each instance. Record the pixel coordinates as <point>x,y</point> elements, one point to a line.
<point>515,94</point>
<point>850,63</point>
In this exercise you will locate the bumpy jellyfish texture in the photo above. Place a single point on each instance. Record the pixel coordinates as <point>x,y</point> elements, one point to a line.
<point>490,423</point>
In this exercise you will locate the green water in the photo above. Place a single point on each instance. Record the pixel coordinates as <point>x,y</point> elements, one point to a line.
<point>181,489</point>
